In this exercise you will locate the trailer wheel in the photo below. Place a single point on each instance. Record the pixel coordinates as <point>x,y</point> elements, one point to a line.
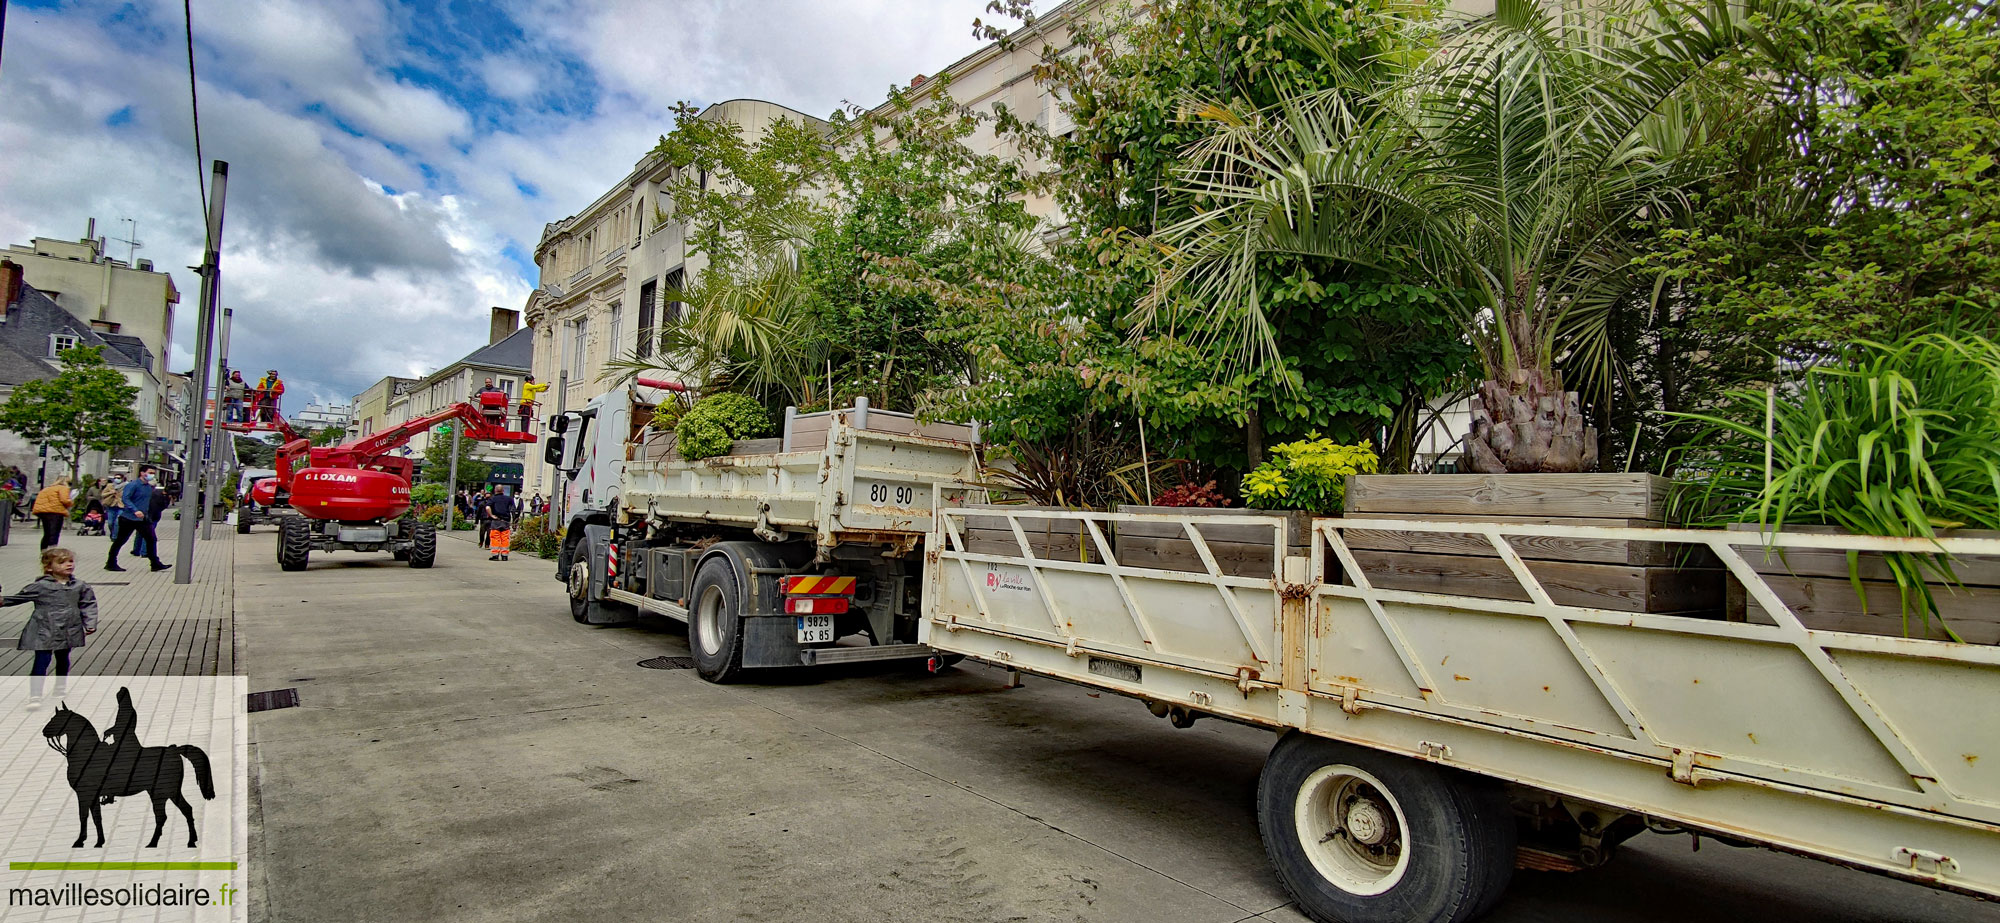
<point>715,622</point>
<point>294,543</point>
<point>1361,836</point>
<point>423,545</point>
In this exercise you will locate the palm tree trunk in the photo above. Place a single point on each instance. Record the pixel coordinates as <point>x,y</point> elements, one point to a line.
<point>1528,424</point>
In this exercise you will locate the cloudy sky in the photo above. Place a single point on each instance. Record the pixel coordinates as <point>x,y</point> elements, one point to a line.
<point>392,163</point>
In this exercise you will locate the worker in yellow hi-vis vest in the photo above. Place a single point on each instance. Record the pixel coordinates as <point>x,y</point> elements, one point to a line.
<point>531,392</point>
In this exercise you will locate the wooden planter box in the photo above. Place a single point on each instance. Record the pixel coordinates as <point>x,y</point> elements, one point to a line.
<point>1616,574</point>
<point>1815,585</point>
<point>1051,539</point>
<point>1239,550</point>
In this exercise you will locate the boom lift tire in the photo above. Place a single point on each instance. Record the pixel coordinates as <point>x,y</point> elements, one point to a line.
<point>423,545</point>
<point>242,522</point>
<point>715,622</point>
<point>294,542</point>
<point>1362,836</point>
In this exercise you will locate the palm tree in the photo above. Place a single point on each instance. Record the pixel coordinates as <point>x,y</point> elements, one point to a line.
<point>1511,163</point>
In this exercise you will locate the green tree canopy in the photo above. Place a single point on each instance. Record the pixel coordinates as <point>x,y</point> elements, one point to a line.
<point>87,406</point>
<point>472,472</point>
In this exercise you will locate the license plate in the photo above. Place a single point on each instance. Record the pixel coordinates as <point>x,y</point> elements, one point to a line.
<point>876,493</point>
<point>815,629</point>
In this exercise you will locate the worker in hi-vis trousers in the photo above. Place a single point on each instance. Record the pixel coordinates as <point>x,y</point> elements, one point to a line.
<point>500,512</point>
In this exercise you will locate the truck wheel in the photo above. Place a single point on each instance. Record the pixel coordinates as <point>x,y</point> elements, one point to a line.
<point>242,523</point>
<point>715,622</point>
<point>579,589</point>
<point>294,543</point>
<point>423,545</point>
<point>1361,836</point>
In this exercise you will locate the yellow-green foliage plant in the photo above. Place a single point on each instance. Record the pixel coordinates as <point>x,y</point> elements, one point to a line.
<point>1309,475</point>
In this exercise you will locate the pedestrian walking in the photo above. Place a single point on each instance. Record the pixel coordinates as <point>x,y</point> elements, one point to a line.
<point>52,508</point>
<point>134,519</point>
<point>501,509</point>
<point>65,611</point>
<point>155,507</point>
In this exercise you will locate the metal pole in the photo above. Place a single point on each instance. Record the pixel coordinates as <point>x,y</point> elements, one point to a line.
<point>212,466</point>
<point>451,485</point>
<point>211,282</point>
<point>558,492</point>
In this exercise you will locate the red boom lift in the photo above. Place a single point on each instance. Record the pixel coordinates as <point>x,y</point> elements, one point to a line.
<point>356,496</point>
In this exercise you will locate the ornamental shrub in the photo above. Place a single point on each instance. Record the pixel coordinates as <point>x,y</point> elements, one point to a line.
<point>716,422</point>
<point>1190,495</point>
<point>1309,475</point>
<point>429,494</point>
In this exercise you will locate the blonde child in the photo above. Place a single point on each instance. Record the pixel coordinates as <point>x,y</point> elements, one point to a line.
<point>65,611</point>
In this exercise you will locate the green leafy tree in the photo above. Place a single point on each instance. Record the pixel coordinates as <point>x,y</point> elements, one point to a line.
<point>326,435</point>
<point>87,406</point>
<point>1509,164</point>
<point>472,472</point>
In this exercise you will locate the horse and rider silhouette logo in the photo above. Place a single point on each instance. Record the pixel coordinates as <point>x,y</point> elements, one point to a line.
<point>103,770</point>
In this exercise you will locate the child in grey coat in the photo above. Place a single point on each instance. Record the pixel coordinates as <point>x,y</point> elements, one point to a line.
<point>65,611</point>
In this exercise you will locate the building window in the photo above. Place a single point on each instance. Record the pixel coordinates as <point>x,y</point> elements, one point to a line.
<point>672,311</point>
<point>577,353</point>
<point>61,341</point>
<point>617,326</point>
<point>507,385</point>
<point>648,294</point>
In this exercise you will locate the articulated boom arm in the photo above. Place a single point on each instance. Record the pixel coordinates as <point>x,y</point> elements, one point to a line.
<point>373,451</point>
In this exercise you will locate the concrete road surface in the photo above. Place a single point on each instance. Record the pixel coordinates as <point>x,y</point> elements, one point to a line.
<point>466,752</point>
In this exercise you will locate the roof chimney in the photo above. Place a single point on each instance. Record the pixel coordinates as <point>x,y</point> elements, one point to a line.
<point>10,283</point>
<point>505,322</point>
<point>918,80</point>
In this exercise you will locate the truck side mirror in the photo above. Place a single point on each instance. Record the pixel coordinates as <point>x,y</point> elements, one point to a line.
<point>558,423</point>
<point>552,450</point>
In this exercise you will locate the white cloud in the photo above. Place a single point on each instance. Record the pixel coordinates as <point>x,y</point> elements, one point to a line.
<point>368,213</point>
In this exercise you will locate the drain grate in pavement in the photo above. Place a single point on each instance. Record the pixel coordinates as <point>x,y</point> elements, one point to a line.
<point>110,583</point>
<point>668,663</point>
<point>277,698</point>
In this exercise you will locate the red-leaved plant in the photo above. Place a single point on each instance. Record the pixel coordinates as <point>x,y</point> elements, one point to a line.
<point>1204,495</point>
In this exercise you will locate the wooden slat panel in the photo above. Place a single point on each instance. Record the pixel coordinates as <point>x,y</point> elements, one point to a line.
<point>1830,604</point>
<point>1600,551</point>
<point>1619,587</point>
<point>1972,570</point>
<point>1614,496</point>
<point>756,446</point>
<point>1236,559</point>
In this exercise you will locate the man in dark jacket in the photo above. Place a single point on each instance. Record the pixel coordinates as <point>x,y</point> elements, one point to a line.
<point>479,517</point>
<point>135,518</point>
<point>500,509</point>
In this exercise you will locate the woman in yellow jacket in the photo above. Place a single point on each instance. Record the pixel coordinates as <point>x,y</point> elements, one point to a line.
<point>52,508</point>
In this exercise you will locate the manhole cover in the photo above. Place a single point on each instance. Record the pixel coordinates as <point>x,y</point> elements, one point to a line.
<point>668,663</point>
<point>277,698</point>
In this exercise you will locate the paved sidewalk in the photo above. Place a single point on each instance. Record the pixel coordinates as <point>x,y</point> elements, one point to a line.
<point>149,625</point>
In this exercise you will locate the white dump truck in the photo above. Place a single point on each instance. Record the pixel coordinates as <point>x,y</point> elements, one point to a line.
<point>798,551</point>
<point>1434,738</point>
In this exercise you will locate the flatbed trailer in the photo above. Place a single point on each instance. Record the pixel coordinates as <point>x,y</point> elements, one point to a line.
<point>1435,741</point>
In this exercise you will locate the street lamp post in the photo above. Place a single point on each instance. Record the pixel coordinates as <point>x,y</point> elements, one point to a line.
<point>211,284</point>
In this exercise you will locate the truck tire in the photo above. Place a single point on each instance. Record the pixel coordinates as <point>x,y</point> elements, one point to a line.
<point>1361,836</point>
<point>715,622</point>
<point>294,543</point>
<point>423,545</point>
<point>579,588</point>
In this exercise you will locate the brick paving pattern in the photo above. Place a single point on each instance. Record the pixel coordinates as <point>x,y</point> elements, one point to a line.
<point>148,625</point>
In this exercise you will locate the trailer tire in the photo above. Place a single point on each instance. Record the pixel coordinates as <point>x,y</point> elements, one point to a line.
<point>1362,836</point>
<point>715,622</point>
<point>423,545</point>
<point>294,543</point>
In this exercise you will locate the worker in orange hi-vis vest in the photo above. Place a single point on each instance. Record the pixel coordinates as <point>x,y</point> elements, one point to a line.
<point>500,511</point>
